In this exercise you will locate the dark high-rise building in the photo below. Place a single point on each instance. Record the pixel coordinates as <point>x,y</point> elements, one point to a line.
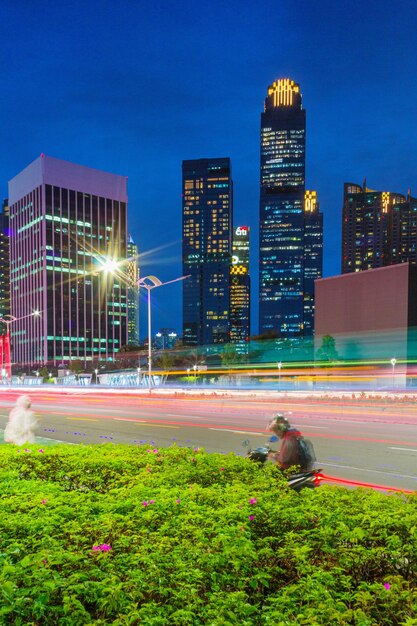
<point>379,228</point>
<point>206,250</point>
<point>288,230</point>
<point>240,289</point>
<point>67,262</point>
<point>132,271</point>
<point>313,255</point>
<point>4,261</point>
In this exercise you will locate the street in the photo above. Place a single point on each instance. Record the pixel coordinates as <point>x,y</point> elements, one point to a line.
<point>366,441</point>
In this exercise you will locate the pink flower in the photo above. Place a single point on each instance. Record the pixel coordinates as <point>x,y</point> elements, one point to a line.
<point>148,469</point>
<point>222,469</point>
<point>151,501</point>
<point>251,518</point>
<point>145,503</point>
<point>44,501</point>
<point>192,459</point>
<point>103,547</point>
<point>155,451</point>
<point>41,450</point>
<point>253,501</point>
<point>387,586</point>
<point>178,501</point>
<point>27,450</point>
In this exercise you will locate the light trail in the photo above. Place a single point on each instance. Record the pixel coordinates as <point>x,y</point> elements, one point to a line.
<point>354,483</point>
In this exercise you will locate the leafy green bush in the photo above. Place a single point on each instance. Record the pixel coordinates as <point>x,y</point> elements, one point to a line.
<point>135,535</point>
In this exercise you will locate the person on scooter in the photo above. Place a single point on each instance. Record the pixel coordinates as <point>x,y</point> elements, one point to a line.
<point>288,454</point>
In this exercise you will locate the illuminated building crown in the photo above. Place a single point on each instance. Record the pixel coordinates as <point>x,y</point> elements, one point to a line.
<point>283,92</point>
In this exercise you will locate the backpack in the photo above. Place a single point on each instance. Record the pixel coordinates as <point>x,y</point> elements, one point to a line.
<point>306,454</point>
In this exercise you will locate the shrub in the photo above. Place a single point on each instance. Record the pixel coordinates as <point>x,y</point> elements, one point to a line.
<point>136,535</point>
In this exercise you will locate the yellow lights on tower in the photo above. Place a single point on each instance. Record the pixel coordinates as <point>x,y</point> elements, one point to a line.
<point>283,91</point>
<point>385,201</point>
<point>310,201</point>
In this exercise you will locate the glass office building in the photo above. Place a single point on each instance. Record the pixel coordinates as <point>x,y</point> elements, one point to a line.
<point>67,253</point>
<point>4,262</point>
<point>132,271</point>
<point>240,289</point>
<point>286,230</point>
<point>379,228</point>
<point>207,210</point>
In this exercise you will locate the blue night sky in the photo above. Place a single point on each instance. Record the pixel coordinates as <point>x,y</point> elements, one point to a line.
<point>135,86</point>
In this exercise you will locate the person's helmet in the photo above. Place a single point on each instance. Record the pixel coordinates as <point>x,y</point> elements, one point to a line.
<point>279,424</point>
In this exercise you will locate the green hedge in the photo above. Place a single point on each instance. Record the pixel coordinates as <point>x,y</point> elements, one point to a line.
<point>135,535</point>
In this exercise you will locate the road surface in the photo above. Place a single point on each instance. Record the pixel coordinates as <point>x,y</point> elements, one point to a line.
<point>367,441</point>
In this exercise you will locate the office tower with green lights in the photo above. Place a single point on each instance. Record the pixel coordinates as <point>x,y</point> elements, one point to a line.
<point>67,262</point>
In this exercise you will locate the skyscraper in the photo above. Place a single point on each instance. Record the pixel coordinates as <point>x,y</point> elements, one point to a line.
<point>66,254</point>
<point>288,229</point>
<point>206,250</point>
<point>132,271</point>
<point>379,228</point>
<point>4,260</point>
<point>240,289</point>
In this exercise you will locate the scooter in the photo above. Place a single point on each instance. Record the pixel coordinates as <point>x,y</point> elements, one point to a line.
<point>309,479</point>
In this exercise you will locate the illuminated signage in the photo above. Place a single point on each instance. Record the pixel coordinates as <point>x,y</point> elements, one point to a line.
<point>242,231</point>
<point>310,201</point>
<point>385,201</point>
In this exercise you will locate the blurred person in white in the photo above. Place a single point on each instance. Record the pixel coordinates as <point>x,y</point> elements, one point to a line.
<point>22,423</point>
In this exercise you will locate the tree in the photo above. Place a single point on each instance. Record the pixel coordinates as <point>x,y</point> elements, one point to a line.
<point>229,356</point>
<point>76,367</point>
<point>327,350</point>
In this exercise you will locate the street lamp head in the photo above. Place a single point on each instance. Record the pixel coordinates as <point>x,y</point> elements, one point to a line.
<point>149,282</point>
<point>109,265</point>
<point>393,361</point>
<point>36,313</point>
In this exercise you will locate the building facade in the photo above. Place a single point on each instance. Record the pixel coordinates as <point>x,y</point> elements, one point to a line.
<point>4,261</point>
<point>240,289</point>
<point>379,228</point>
<point>132,271</point>
<point>207,211</point>
<point>286,229</point>
<point>67,252</point>
<point>371,315</point>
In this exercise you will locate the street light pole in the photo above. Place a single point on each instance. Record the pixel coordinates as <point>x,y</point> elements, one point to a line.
<point>279,365</point>
<point>149,283</point>
<point>393,363</point>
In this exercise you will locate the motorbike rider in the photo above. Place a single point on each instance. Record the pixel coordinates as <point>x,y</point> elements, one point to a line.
<point>288,454</point>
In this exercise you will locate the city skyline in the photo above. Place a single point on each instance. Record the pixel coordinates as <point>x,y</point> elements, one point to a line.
<point>150,87</point>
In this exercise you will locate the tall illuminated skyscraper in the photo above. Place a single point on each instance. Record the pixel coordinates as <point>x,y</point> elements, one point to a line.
<point>290,223</point>
<point>68,225</point>
<point>132,271</point>
<point>206,250</point>
<point>240,289</point>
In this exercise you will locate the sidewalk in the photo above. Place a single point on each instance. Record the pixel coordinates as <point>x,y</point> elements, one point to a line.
<point>39,441</point>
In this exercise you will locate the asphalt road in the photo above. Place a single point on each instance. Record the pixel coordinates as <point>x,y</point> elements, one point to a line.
<point>368,441</point>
